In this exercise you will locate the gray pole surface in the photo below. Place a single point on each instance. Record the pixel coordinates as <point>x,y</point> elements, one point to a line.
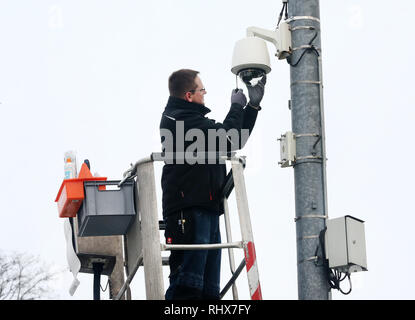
<point>309,169</point>
<point>147,203</point>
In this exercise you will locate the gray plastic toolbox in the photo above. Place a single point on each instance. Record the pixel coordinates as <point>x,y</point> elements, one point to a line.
<point>106,212</point>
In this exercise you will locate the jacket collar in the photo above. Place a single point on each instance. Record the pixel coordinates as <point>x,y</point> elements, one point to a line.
<point>176,105</point>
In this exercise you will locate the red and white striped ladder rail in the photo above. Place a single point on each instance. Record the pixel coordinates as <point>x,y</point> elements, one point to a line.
<point>252,270</point>
<point>246,231</point>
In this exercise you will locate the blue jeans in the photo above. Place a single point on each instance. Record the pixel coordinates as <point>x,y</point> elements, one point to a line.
<point>194,274</point>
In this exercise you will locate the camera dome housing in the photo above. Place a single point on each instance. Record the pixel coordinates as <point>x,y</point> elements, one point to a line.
<point>250,58</point>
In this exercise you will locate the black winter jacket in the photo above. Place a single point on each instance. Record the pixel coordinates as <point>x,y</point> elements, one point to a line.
<point>197,185</point>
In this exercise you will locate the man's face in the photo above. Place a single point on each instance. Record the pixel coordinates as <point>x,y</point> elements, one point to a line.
<point>197,95</point>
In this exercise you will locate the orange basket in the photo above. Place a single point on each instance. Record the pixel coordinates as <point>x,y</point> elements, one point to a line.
<point>71,193</point>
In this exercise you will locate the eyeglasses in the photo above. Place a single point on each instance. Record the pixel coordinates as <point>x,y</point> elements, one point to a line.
<point>201,90</point>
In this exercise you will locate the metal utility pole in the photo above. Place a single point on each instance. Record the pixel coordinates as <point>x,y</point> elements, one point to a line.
<point>310,165</point>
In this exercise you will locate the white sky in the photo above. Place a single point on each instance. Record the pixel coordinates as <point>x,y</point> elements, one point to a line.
<point>91,76</point>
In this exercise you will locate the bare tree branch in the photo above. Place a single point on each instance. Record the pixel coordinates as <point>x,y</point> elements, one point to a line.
<point>23,277</point>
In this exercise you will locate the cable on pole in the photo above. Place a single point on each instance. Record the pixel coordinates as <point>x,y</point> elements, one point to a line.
<point>335,277</point>
<point>310,47</point>
<point>284,7</point>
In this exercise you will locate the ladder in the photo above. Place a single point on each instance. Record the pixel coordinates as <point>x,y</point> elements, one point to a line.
<point>142,241</point>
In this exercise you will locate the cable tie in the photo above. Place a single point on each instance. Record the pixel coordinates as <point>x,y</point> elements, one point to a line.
<point>296,18</point>
<point>306,46</point>
<point>313,258</point>
<point>305,82</point>
<point>300,135</point>
<point>314,236</point>
<point>311,216</point>
<point>303,28</point>
<point>308,157</point>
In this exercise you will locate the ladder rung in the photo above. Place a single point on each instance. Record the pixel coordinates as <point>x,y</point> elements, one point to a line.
<point>165,247</point>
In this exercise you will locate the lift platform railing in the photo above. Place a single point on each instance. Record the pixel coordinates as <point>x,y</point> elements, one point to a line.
<point>143,239</point>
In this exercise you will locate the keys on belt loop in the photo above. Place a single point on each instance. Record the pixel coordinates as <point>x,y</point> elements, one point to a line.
<point>182,221</point>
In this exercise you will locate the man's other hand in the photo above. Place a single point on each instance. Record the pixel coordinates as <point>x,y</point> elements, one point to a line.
<point>256,92</point>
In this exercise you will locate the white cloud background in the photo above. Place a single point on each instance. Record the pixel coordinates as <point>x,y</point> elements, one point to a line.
<point>91,76</point>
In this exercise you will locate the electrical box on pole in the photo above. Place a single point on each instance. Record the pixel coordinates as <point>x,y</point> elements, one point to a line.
<point>345,244</point>
<point>287,149</point>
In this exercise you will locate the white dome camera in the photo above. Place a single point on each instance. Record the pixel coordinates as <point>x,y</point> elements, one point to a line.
<point>250,55</point>
<point>250,58</point>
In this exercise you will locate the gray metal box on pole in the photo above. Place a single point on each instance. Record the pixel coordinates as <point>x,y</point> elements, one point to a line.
<point>345,244</point>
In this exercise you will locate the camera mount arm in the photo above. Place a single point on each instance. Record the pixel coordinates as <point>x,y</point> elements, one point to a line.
<point>281,38</point>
